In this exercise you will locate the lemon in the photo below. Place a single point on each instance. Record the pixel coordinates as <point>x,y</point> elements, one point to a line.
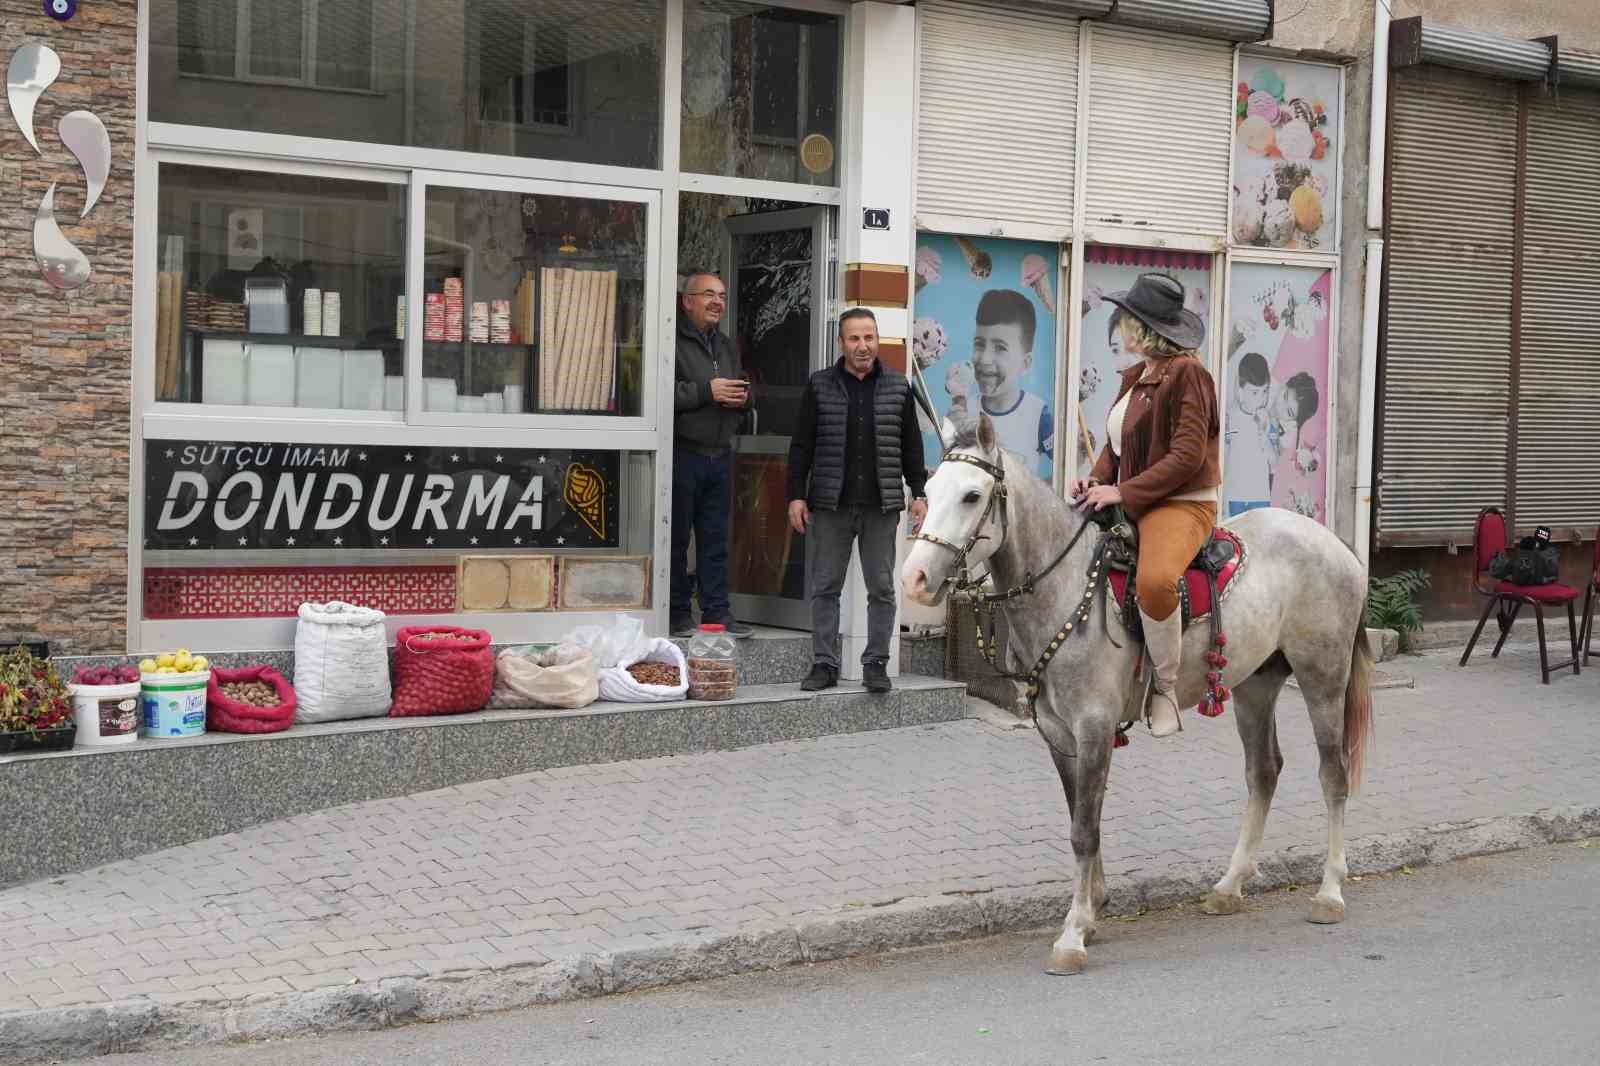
<point>148,666</point>
<point>184,662</point>
<point>165,659</point>
<point>183,651</point>
<point>167,670</point>
<point>201,662</point>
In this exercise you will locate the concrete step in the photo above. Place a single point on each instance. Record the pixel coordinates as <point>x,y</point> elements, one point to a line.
<point>97,805</point>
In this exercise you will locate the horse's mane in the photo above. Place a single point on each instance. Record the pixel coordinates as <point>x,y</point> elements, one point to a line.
<point>966,435</point>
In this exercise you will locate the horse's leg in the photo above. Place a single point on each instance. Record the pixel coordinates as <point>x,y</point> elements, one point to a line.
<point>1068,955</point>
<point>1324,693</point>
<point>1254,703</point>
<point>1066,768</point>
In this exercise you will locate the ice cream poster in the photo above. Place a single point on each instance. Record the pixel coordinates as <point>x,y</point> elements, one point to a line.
<point>984,337</point>
<point>1101,359</point>
<point>1275,390</point>
<point>1286,154</point>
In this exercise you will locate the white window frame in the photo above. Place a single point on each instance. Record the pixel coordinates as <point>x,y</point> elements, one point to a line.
<point>650,432</point>
<point>308,52</point>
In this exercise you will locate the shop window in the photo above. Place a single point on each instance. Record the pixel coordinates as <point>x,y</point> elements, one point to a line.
<point>760,91</point>
<point>571,80</point>
<point>280,291</point>
<point>532,304</point>
<point>320,43</point>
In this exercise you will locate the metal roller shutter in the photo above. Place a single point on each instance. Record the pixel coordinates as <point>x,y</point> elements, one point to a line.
<point>1160,129</point>
<point>1447,340</point>
<point>997,114</point>
<point>1558,417</point>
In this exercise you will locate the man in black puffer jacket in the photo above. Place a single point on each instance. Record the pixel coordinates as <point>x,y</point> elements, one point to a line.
<point>856,448</point>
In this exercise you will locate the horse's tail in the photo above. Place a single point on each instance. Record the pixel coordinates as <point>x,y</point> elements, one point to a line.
<point>1358,708</point>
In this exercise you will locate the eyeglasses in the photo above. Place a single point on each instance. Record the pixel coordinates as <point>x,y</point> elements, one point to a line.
<point>710,294</point>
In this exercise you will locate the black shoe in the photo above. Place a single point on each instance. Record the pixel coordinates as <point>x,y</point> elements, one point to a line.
<point>821,676</point>
<point>683,627</point>
<point>875,677</point>
<point>737,630</point>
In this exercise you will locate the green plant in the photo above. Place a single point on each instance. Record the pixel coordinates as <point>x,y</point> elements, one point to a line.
<point>1391,604</point>
<point>32,695</point>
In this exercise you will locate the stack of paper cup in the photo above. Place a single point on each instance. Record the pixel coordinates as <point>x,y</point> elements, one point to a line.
<point>313,316</point>
<point>399,318</point>
<point>513,399</point>
<point>330,314</point>
<point>455,311</point>
<point>500,322</point>
<point>433,317</point>
<point>478,323</point>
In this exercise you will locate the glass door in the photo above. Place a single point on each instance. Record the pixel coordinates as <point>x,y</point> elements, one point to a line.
<point>778,316</point>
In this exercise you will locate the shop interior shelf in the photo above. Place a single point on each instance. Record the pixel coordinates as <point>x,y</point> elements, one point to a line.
<point>298,340</point>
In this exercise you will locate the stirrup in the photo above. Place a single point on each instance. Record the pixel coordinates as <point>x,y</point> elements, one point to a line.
<point>1149,698</point>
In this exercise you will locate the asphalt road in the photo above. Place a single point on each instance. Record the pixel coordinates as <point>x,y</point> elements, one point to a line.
<point>1484,961</point>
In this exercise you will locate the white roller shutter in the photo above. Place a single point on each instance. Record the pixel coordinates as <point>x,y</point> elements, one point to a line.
<point>1558,407</point>
<point>997,114</point>
<point>1447,341</point>
<point>1160,131</point>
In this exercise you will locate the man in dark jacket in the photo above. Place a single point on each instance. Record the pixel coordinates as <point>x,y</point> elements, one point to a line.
<point>856,448</point>
<point>711,396</point>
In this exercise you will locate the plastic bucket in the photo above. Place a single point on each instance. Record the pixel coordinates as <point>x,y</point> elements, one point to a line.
<point>174,704</point>
<point>106,714</point>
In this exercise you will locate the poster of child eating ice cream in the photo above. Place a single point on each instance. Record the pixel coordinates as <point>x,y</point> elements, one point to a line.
<point>1275,391</point>
<point>983,337</point>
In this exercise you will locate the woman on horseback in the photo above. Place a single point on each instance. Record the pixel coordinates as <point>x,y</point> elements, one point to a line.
<point>1162,464</point>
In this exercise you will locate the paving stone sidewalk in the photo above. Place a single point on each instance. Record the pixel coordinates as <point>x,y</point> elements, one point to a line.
<point>513,873</point>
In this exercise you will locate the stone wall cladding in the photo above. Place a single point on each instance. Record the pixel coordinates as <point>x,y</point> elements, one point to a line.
<point>65,358</point>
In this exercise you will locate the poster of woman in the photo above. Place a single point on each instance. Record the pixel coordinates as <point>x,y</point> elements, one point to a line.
<point>984,339</point>
<point>1101,361</point>
<point>1275,390</point>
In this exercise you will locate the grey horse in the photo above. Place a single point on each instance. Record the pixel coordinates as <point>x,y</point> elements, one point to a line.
<point>1296,607</point>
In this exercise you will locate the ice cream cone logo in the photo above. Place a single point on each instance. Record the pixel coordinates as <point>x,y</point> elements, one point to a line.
<point>585,492</point>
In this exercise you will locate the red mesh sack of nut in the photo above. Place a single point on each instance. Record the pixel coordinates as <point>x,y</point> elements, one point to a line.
<point>249,699</point>
<point>441,670</point>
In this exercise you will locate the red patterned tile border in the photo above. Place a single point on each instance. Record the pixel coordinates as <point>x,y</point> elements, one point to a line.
<point>278,591</point>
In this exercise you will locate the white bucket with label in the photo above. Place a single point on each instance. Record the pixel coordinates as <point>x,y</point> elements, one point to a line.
<point>106,714</point>
<point>174,704</point>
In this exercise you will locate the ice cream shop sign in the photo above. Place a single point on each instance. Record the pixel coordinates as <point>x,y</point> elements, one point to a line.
<point>233,496</point>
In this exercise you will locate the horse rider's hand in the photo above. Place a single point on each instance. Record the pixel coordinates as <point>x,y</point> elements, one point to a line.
<point>1100,497</point>
<point>1079,486</point>
<point>919,514</point>
<point>799,516</point>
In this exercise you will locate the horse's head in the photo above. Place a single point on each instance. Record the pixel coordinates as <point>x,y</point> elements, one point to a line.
<point>966,515</point>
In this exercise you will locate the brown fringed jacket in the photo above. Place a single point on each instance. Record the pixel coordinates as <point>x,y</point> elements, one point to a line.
<point>1171,436</point>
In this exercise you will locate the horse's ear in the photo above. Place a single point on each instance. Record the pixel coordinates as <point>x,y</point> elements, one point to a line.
<point>986,439</point>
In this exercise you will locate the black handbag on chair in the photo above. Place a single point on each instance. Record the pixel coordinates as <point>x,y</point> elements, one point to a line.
<point>1532,561</point>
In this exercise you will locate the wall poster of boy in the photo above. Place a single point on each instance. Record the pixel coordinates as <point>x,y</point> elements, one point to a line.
<point>1101,360</point>
<point>1275,420</point>
<point>984,339</point>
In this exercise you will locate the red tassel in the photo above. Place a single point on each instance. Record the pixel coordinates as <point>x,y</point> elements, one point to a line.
<point>1212,677</point>
<point>1224,694</point>
<point>1121,741</point>
<point>1222,640</point>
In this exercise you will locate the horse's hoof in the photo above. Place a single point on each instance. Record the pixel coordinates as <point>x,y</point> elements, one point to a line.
<point>1326,911</point>
<point>1217,903</point>
<point>1065,962</point>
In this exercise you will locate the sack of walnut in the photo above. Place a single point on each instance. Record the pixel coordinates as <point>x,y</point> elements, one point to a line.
<point>250,699</point>
<point>441,670</point>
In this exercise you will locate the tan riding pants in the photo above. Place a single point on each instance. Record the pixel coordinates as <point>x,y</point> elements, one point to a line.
<point>1170,535</point>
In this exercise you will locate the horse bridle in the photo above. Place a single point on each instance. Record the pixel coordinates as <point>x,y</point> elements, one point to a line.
<point>986,601</point>
<point>997,498</point>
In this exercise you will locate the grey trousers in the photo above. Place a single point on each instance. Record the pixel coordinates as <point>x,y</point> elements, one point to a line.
<point>828,544</point>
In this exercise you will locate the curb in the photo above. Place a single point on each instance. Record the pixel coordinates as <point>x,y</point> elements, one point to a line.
<point>140,1025</point>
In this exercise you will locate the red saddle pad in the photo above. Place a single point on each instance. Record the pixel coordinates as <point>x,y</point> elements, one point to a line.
<point>1199,588</point>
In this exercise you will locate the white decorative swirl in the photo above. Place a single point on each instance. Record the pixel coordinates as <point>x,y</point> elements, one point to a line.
<point>34,68</point>
<point>60,261</point>
<point>86,138</point>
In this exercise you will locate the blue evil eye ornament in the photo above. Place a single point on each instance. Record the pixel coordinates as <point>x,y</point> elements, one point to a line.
<point>61,10</point>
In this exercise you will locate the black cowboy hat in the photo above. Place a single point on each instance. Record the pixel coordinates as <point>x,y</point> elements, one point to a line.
<point>1157,301</point>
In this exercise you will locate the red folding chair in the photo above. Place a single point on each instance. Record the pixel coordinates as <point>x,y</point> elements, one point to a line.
<point>1489,538</point>
<point>1589,599</point>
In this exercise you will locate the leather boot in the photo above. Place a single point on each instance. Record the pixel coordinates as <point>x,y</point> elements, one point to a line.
<point>1164,639</point>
